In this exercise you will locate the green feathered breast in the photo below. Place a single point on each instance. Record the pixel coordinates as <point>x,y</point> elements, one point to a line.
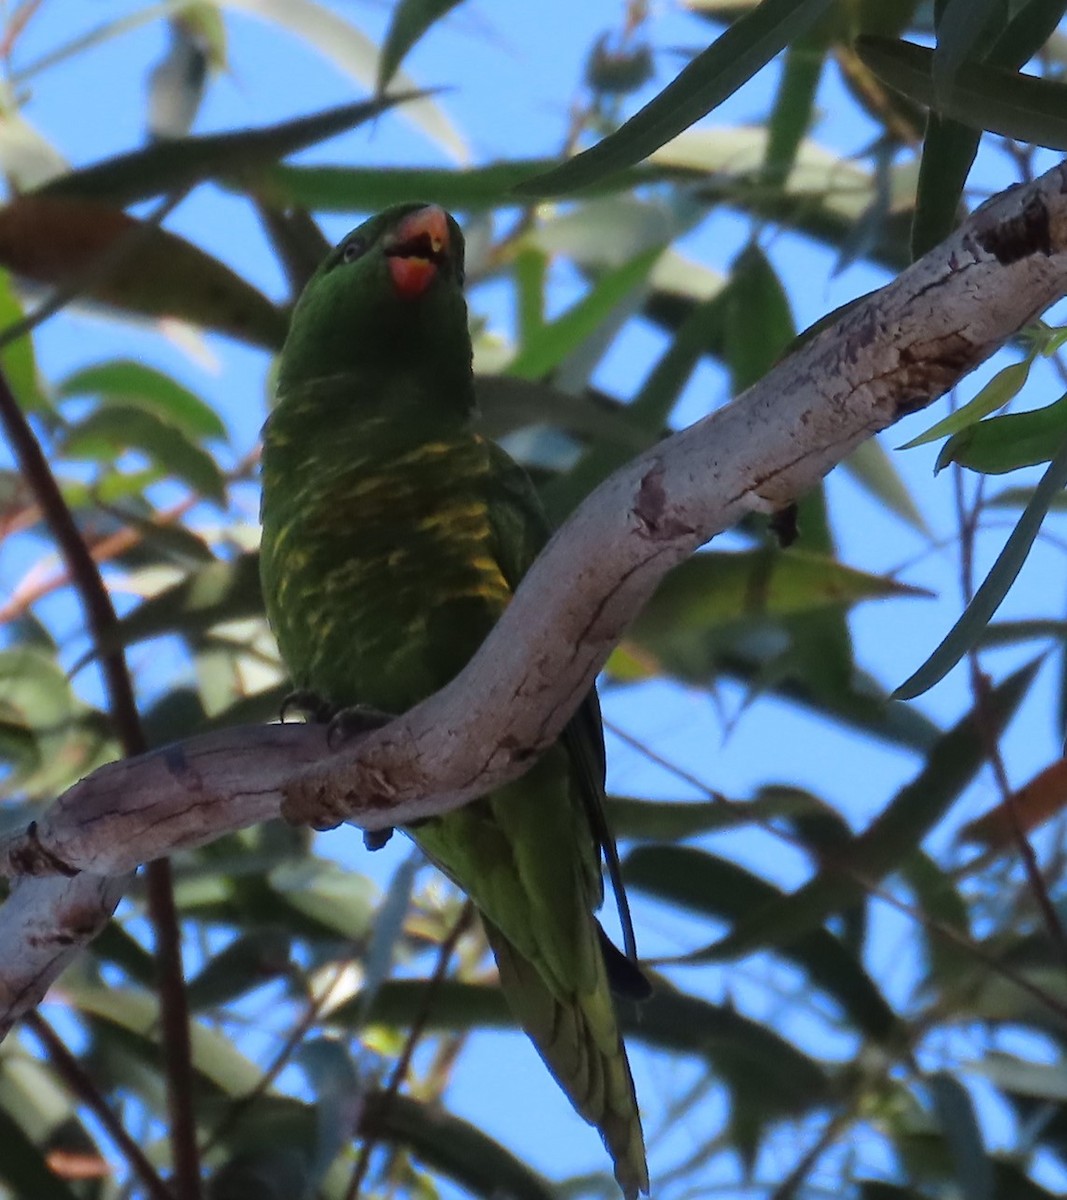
<point>393,537</point>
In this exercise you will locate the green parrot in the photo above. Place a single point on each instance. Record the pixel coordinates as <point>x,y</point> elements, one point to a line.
<point>394,535</point>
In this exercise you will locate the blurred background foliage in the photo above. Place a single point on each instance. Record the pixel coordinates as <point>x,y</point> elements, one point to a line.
<point>863,998</point>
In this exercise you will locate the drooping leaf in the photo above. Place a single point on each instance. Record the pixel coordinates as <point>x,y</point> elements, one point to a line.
<point>132,266</point>
<point>704,604</point>
<point>968,629</point>
<point>872,468</point>
<point>410,20</point>
<point>454,1147</point>
<point>354,53</point>
<point>469,189</point>
<point>218,592</point>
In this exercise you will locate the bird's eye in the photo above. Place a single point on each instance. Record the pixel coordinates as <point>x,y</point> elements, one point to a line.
<point>354,249</point>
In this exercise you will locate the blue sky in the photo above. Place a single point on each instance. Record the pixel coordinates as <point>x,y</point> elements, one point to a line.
<point>512,79</point>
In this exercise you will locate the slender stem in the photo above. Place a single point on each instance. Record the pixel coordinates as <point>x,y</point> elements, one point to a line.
<point>122,706</point>
<point>931,924</point>
<point>403,1063</point>
<point>79,1082</point>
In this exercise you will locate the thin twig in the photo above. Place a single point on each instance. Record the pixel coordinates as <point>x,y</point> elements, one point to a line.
<point>291,1044</point>
<point>80,1083</point>
<point>1034,878</point>
<point>400,1070</point>
<point>828,860</point>
<point>122,706</point>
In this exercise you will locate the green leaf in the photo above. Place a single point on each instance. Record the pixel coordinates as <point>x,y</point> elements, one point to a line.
<point>705,883</point>
<point>964,635</point>
<point>759,324</point>
<point>367,189</point>
<point>388,928</point>
<point>110,430</point>
<point>554,342</point>
<point>893,835</point>
<point>965,30</point>
<point>948,962</point>
<point>1006,443</point>
<point>411,19</point>
<point>672,820</point>
<point>716,73</point>
<point>1002,388</point>
<point>981,96</point>
<point>17,358</point>
<point>706,602</point>
<point>175,163</point>
<point>138,384</point>
<point>949,148</point>
<point>794,103</point>
<point>974,1172</point>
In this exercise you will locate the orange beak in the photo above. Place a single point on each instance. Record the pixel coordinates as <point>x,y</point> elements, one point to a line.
<point>415,249</point>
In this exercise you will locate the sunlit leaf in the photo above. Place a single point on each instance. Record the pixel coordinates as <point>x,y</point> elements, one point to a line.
<point>137,383</point>
<point>551,344</point>
<point>108,431</point>
<point>1002,388</point>
<point>343,44</point>
<point>1005,443</point>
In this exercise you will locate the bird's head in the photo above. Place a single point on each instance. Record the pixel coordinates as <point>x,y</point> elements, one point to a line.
<point>388,294</point>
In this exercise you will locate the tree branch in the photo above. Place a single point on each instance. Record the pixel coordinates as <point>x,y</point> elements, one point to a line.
<point>889,354</point>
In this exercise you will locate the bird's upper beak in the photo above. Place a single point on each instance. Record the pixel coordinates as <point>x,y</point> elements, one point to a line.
<point>415,249</point>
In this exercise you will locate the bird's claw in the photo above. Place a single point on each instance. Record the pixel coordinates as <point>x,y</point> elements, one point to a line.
<point>308,704</point>
<point>375,839</point>
<point>349,722</point>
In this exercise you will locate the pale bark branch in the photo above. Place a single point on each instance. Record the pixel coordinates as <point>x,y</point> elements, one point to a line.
<point>890,354</point>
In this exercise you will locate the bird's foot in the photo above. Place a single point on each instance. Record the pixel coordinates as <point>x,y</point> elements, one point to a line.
<point>314,708</point>
<point>353,720</point>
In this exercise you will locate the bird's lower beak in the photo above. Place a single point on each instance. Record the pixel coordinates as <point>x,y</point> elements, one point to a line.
<point>416,248</point>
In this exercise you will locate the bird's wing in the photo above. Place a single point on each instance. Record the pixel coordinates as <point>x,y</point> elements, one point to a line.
<point>520,530</point>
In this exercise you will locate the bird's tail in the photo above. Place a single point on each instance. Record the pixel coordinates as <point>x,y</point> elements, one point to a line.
<point>578,1039</point>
